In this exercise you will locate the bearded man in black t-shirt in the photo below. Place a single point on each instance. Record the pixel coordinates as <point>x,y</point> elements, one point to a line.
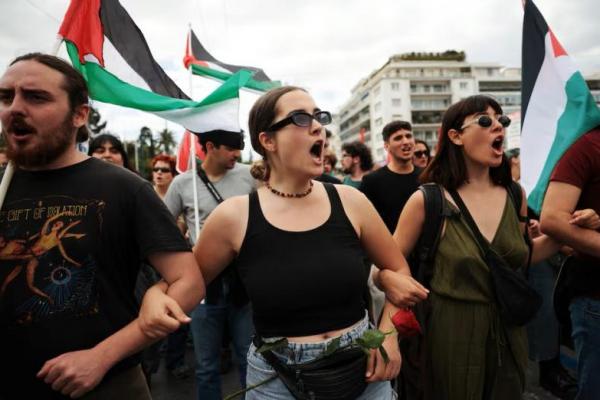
<point>73,231</point>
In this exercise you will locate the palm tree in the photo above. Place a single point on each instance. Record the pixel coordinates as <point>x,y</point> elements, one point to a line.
<point>165,141</point>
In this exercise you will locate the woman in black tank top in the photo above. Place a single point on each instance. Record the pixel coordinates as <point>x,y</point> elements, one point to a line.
<point>301,247</point>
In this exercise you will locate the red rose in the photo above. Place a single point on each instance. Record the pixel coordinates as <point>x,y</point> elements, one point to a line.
<point>405,323</point>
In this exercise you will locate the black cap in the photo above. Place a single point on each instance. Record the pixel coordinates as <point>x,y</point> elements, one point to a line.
<point>219,137</point>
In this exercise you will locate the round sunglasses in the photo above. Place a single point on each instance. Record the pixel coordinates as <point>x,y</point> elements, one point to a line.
<point>302,119</point>
<point>485,121</point>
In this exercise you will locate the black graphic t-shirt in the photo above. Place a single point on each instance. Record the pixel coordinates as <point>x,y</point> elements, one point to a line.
<point>71,242</point>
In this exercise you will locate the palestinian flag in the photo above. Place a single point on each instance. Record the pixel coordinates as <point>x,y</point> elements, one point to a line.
<point>202,63</point>
<point>556,105</point>
<point>184,151</point>
<point>122,70</point>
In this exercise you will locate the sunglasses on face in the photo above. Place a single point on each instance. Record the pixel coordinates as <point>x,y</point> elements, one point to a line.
<point>302,119</point>
<point>421,153</point>
<point>163,170</point>
<point>485,121</point>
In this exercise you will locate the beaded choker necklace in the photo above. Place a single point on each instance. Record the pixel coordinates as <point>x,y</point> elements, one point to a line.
<point>296,195</point>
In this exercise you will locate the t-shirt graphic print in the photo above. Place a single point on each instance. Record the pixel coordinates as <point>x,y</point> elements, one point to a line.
<point>47,267</point>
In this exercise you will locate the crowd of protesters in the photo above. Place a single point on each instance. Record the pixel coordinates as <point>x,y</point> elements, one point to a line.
<point>286,262</point>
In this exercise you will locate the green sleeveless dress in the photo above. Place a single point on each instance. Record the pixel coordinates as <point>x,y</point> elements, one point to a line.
<point>472,354</point>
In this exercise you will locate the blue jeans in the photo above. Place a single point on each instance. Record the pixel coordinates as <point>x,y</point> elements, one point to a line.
<point>543,331</point>
<point>208,322</point>
<point>585,318</point>
<point>260,370</point>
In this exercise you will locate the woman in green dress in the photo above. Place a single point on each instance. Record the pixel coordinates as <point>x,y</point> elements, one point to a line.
<point>472,354</point>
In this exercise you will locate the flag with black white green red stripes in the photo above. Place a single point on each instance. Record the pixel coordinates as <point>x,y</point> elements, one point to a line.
<point>107,47</point>
<point>557,107</point>
<point>202,63</point>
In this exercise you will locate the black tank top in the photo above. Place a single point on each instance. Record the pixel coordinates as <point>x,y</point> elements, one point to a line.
<point>303,283</point>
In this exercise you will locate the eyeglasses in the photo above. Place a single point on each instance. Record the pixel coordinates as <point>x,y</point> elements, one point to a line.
<point>421,153</point>
<point>302,119</point>
<point>485,121</point>
<point>163,170</point>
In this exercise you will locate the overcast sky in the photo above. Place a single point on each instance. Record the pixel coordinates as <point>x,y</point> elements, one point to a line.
<point>326,46</point>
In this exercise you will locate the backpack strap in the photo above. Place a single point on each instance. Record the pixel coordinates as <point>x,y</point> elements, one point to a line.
<point>515,192</point>
<point>432,231</point>
<point>516,196</point>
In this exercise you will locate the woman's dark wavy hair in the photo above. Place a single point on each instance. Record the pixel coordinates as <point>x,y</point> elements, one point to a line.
<point>99,140</point>
<point>447,168</point>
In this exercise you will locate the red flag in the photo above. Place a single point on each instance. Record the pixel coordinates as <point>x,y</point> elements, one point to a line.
<point>183,153</point>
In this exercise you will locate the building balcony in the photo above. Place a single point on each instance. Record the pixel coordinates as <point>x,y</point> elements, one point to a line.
<point>429,117</point>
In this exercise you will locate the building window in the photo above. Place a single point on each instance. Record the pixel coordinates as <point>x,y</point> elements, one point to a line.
<point>378,122</point>
<point>396,102</point>
<point>395,86</point>
<point>377,106</point>
<point>464,85</point>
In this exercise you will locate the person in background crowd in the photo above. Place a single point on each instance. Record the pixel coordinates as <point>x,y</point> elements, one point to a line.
<point>514,161</point>
<point>294,232</point>
<point>575,184</point>
<point>108,148</point>
<point>464,325</point>
<point>390,186</point>
<point>163,172</point>
<point>422,154</point>
<point>329,161</point>
<point>356,162</point>
<point>219,177</point>
<point>68,314</point>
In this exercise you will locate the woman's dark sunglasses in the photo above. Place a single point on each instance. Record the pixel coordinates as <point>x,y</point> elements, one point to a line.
<point>302,119</point>
<point>163,170</point>
<point>485,121</point>
<point>421,153</point>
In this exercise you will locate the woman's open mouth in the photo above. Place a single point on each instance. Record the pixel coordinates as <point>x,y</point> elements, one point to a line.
<point>316,151</point>
<point>498,144</point>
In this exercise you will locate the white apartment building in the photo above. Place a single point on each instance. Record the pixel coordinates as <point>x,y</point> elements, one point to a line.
<point>419,87</point>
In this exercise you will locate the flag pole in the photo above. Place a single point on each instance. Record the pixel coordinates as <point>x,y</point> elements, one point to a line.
<point>193,149</point>
<point>10,167</point>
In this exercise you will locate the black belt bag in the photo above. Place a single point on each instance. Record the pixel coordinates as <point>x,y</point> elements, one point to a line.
<point>518,302</point>
<point>338,376</point>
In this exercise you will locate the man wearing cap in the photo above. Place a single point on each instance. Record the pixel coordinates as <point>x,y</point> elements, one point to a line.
<point>219,177</point>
